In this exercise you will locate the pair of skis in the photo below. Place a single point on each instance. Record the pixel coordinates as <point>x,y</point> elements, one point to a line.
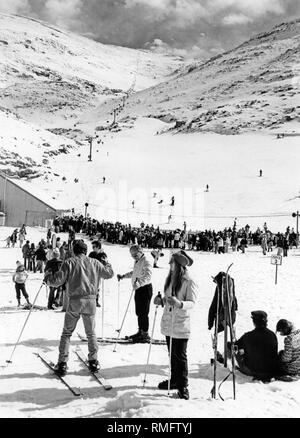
<point>65,379</point>
<point>107,340</point>
<point>227,300</point>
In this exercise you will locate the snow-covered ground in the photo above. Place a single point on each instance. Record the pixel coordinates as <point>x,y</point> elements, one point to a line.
<point>28,390</point>
<point>139,163</point>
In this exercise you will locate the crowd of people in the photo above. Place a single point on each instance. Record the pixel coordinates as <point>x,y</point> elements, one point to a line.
<point>74,277</point>
<point>219,242</point>
<point>256,351</point>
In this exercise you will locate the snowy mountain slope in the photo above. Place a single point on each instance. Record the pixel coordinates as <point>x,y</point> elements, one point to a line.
<point>47,74</point>
<point>25,149</point>
<point>251,87</point>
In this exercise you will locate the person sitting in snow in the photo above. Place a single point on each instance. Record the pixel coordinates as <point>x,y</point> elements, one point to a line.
<point>257,351</point>
<point>289,357</point>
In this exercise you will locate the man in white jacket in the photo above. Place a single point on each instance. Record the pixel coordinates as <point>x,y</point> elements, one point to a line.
<point>141,283</point>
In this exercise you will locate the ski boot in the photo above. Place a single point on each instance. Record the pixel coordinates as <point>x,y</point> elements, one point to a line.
<point>61,368</point>
<point>19,303</point>
<point>183,393</point>
<point>142,338</point>
<point>132,337</point>
<point>94,366</point>
<point>164,384</point>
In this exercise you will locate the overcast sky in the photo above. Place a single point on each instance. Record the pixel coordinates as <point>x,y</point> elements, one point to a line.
<point>200,28</point>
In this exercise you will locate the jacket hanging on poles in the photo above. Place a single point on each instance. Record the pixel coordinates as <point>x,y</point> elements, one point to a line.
<point>220,279</point>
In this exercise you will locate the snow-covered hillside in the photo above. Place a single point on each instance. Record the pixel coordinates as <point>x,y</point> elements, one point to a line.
<point>47,73</point>
<point>252,87</point>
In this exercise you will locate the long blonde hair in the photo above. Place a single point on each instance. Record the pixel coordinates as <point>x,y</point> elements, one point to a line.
<point>175,278</point>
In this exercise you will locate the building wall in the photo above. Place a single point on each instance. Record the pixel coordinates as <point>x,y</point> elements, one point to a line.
<point>22,208</point>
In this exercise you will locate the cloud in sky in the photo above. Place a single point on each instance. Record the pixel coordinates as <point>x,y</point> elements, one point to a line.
<point>184,25</point>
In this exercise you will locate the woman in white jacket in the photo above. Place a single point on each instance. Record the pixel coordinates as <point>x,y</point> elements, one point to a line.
<point>179,297</point>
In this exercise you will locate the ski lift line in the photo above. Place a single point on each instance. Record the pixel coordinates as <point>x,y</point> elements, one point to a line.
<point>130,210</point>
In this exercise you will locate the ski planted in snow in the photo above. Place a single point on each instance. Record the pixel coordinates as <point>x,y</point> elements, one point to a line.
<point>98,376</point>
<point>107,340</point>
<point>51,366</point>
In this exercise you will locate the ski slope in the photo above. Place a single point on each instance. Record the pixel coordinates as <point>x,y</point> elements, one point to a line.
<point>140,163</point>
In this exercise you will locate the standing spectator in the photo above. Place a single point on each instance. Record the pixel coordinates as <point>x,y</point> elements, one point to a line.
<point>179,298</point>
<point>14,237</point>
<point>141,283</point>
<point>21,237</point>
<point>19,278</point>
<point>41,259</point>
<point>26,251</point>
<point>32,258</point>
<point>53,266</point>
<point>99,255</point>
<point>49,235</point>
<point>285,247</point>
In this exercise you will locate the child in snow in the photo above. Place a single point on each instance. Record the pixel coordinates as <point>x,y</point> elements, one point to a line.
<point>19,278</point>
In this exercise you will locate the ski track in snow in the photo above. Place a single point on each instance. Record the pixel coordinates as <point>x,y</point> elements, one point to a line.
<point>28,390</point>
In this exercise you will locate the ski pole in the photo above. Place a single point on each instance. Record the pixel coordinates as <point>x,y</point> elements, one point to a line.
<point>147,364</point>
<point>215,345</point>
<point>231,332</point>
<point>170,353</point>
<point>118,309</point>
<point>16,344</point>
<point>120,329</point>
<point>102,329</point>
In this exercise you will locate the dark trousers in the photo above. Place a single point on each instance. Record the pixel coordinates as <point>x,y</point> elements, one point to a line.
<point>26,262</point>
<point>51,299</point>
<point>142,300</point>
<point>179,363</point>
<point>285,252</point>
<point>20,287</point>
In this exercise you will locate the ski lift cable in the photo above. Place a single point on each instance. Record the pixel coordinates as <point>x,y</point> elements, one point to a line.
<point>195,216</point>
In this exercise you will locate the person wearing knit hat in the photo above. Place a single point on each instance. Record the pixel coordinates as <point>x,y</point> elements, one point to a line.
<point>257,353</point>
<point>141,276</point>
<point>289,357</point>
<point>19,278</point>
<point>180,293</point>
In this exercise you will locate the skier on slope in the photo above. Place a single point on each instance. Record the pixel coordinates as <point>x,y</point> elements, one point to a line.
<point>141,283</point>
<point>180,293</point>
<point>82,275</point>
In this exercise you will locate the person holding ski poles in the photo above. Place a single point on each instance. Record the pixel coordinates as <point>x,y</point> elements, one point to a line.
<point>141,283</point>
<point>180,293</point>
<point>82,275</point>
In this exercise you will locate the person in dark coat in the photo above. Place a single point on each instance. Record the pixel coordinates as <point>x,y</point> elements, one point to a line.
<point>53,266</point>
<point>40,255</point>
<point>257,354</point>
<point>99,255</point>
